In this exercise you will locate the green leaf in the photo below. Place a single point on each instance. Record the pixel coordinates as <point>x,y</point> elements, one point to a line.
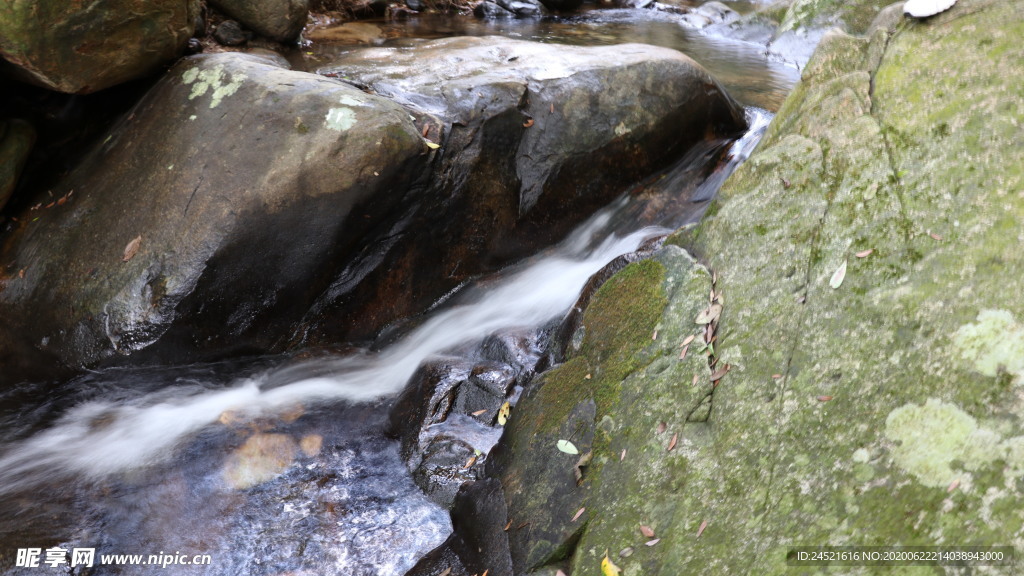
<point>838,276</point>
<point>567,447</point>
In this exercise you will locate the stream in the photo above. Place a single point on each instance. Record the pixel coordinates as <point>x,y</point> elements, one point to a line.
<point>280,465</point>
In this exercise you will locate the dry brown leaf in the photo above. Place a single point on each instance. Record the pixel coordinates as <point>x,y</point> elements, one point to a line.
<point>21,273</point>
<point>623,455</point>
<point>682,354</point>
<point>485,572</point>
<point>824,398</point>
<point>426,130</point>
<point>672,443</point>
<point>700,530</point>
<point>864,253</point>
<point>687,340</point>
<point>655,335</point>
<point>447,572</point>
<point>719,373</point>
<point>709,314</point>
<point>507,526</point>
<point>776,376</point>
<point>552,108</point>
<point>953,485</point>
<point>696,379</point>
<point>480,412</point>
<point>932,234</point>
<point>578,514</point>
<point>652,542</point>
<point>528,123</point>
<point>470,462</point>
<point>646,531</point>
<point>587,377</point>
<point>662,427</point>
<point>132,248</point>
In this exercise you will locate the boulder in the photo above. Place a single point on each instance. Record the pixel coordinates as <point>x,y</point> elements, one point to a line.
<point>78,47</point>
<point>280,20</point>
<point>209,216</point>
<point>16,140</point>
<point>533,137</point>
<point>865,383</point>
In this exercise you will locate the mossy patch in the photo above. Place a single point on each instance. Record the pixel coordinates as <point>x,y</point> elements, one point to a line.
<point>993,344</point>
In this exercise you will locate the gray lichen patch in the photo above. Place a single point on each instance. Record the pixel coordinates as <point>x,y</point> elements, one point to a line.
<point>993,343</point>
<point>215,79</point>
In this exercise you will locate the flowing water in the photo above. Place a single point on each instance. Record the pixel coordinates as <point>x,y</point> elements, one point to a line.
<point>280,465</point>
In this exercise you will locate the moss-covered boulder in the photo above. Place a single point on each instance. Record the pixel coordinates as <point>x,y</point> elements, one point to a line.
<point>81,47</point>
<point>868,258</point>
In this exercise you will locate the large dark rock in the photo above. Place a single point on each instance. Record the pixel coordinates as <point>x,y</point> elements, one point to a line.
<point>81,47</point>
<point>210,217</point>
<point>280,20</point>
<point>533,138</point>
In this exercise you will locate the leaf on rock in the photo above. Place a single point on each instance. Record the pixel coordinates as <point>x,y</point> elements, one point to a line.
<point>652,542</point>
<point>720,372</point>
<point>687,340</point>
<point>567,447</point>
<point>824,398</point>
<point>700,530</point>
<point>838,276</point>
<point>132,248</point>
<point>480,412</point>
<point>608,568</point>
<point>503,413</point>
<point>864,253</point>
<point>672,442</point>
<point>646,531</point>
<point>528,123</point>
<point>578,513</point>
<point>433,145</point>
<point>709,314</point>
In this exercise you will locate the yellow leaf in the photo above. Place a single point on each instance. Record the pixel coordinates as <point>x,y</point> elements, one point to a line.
<point>432,145</point>
<point>503,413</point>
<point>608,568</point>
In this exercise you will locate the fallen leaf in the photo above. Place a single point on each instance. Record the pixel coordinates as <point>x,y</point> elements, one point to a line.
<point>432,145</point>
<point>655,335</point>
<point>682,354</point>
<point>528,123</point>
<point>652,542</point>
<point>672,443</point>
<point>626,552</point>
<point>447,572</point>
<point>696,379</point>
<point>700,530</point>
<point>578,513</point>
<point>824,398</point>
<point>953,485</point>
<point>132,248</point>
<point>503,413</point>
<point>507,526</point>
<point>838,276</point>
<point>932,234</point>
<point>485,572</point>
<point>587,377</point>
<point>720,372</point>
<point>687,340</point>
<point>646,531</point>
<point>662,427</point>
<point>470,462</point>
<point>786,183</point>
<point>426,130</point>
<point>21,273</point>
<point>776,376</point>
<point>623,455</point>
<point>608,568</point>
<point>480,412</point>
<point>864,253</point>
<point>709,314</point>
<point>559,572</point>
<point>567,447</point>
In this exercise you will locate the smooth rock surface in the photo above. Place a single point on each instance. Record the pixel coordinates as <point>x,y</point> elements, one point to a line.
<point>16,140</point>
<point>82,47</point>
<point>532,138</point>
<point>213,210</point>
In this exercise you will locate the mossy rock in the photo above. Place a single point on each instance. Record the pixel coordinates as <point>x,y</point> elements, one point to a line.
<point>882,407</point>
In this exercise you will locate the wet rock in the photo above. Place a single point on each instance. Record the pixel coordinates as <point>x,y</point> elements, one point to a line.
<point>280,20</point>
<point>75,47</point>
<point>447,463</point>
<point>16,140</point>
<point>520,350</point>
<point>263,457</point>
<point>185,178</point>
<point>562,5</point>
<point>490,10</point>
<point>230,33</point>
<point>418,5</point>
<point>522,8</point>
<point>533,137</point>
<point>888,406</point>
<point>708,14</point>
